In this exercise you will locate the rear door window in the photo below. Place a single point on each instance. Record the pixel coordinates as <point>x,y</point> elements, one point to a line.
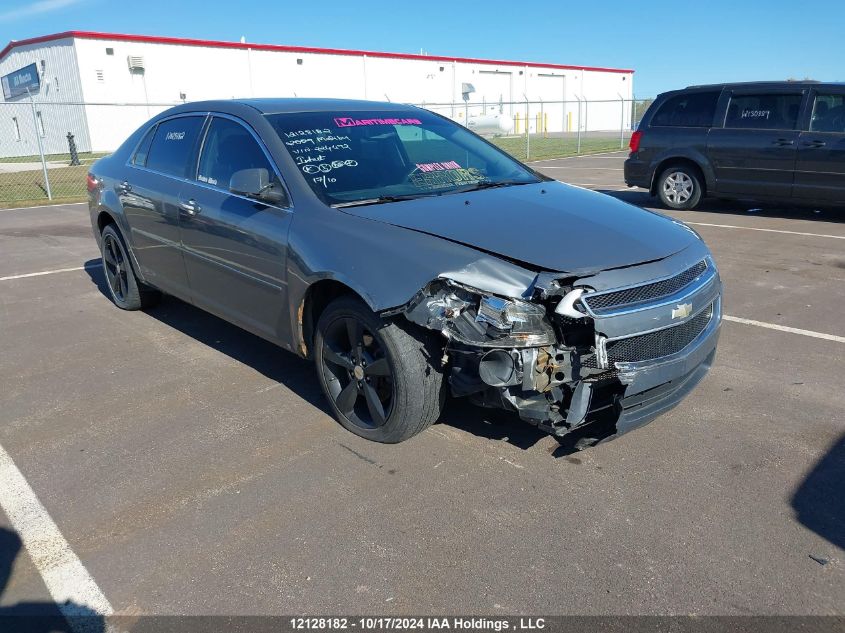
<point>694,109</point>
<point>763,111</point>
<point>172,149</point>
<point>828,113</point>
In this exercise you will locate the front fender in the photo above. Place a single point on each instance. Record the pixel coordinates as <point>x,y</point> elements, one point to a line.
<point>384,264</point>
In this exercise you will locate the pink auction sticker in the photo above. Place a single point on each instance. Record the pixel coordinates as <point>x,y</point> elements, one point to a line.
<point>444,166</point>
<point>350,122</point>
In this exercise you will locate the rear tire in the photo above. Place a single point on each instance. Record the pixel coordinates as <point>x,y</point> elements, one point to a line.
<point>382,378</point>
<point>125,290</point>
<point>680,187</point>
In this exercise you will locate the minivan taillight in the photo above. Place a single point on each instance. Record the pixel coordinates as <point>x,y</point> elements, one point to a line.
<point>635,141</point>
<point>91,183</point>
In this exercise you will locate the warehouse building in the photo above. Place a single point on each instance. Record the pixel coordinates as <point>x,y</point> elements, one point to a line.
<point>101,86</point>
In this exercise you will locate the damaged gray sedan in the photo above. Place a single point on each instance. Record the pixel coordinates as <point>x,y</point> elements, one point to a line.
<point>410,259</point>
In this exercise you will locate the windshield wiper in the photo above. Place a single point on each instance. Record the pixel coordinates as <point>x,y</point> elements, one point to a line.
<point>491,185</point>
<point>379,200</point>
<point>385,199</point>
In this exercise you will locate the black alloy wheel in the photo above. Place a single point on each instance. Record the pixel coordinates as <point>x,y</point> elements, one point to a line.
<point>116,265</point>
<point>356,372</point>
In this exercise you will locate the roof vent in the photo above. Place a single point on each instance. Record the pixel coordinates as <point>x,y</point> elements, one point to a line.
<point>136,63</point>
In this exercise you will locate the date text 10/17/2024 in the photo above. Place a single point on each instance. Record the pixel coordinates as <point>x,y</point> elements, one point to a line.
<point>420,623</point>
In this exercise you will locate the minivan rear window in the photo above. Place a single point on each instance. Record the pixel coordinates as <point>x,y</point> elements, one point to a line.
<point>764,111</point>
<point>694,109</point>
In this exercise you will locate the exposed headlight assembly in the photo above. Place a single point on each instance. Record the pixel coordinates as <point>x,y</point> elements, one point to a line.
<point>506,323</point>
<point>473,317</point>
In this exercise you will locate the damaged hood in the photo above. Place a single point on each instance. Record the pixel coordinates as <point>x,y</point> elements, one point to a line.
<point>549,226</point>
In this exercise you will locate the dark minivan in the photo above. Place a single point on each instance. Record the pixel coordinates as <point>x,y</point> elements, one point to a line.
<point>773,141</point>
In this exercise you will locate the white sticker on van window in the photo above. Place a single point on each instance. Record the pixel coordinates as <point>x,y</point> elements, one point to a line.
<point>756,114</point>
<point>174,136</point>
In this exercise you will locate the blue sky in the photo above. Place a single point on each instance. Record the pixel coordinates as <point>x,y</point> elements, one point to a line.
<point>669,44</point>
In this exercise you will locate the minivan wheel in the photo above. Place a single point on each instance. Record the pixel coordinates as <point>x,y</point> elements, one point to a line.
<point>125,289</point>
<point>680,188</point>
<point>380,379</point>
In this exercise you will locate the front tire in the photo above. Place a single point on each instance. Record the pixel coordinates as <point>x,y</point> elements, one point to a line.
<point>125,290</point>
<point>680,188</point>
<point>381,378</point>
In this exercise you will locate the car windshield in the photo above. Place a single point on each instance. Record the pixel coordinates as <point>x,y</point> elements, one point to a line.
<point>371,157</point>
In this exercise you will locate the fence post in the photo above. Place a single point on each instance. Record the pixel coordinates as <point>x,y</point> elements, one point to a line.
<point>40,145</point>
<point>578,127</point>
<point>541,117</point>
<point>622,121</point>
<point>527,130</point>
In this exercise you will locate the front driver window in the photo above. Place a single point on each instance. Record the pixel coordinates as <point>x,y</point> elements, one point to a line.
<point>229,147</point>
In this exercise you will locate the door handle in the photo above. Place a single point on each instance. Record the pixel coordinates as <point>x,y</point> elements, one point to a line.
<point>190,206</point>
<point>814,143</point>
<point>783,142</point>
<point>124,187</point>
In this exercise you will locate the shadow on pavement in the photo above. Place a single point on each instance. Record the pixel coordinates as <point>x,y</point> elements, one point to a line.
<point>819,502</point>
<point>272,361</point>
<point>39,617</point>
<point>641,198</point>
<point>298,375</point>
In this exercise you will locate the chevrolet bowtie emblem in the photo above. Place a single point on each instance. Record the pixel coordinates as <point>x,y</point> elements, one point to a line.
<point>682,311</point>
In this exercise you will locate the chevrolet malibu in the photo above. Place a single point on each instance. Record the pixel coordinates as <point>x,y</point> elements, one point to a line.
<point>410,259</point>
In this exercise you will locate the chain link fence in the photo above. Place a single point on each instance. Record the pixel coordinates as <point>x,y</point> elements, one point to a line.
<point>539,130</point>
<point>46,148</point>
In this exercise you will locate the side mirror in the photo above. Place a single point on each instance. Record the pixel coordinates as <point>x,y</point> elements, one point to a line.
<point>255,183</point>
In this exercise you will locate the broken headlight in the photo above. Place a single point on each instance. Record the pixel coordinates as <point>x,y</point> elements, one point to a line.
<point>494,321</point>
<point>475,318</point>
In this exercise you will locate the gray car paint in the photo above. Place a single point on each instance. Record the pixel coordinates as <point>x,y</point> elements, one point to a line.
<point>549,225</point>
<point>500,241</point>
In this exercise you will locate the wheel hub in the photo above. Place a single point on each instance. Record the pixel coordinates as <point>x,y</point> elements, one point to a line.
<point>358,372</point>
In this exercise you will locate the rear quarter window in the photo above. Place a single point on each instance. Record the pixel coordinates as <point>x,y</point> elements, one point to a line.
<point>139,158</point>
<point>694,109</point>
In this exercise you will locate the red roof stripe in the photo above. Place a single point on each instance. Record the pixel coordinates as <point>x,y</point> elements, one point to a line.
<point>152,39</point>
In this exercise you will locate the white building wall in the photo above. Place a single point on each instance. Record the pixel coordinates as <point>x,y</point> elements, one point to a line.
<point>173,72</point>
<point>56,102</point>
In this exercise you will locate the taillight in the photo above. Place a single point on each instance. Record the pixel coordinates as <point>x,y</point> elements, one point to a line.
<point>92,183</point>
<point>634,144</point>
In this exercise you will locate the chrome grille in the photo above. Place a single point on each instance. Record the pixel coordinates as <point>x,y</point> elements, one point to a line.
<point>607,302</point>
<point>661,343</point>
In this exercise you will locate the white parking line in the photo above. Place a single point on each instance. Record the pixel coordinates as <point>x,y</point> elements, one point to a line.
<point>592,168</point>
<point>71,586</point>
<point>44,206</point>
<point>589,185</point>
<point>750,228</point>
<point>546,160</point>
<point>51,272</point>
<point>784,328</point>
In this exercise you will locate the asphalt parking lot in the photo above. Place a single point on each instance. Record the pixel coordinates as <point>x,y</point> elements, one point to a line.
<point>194,469</point>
